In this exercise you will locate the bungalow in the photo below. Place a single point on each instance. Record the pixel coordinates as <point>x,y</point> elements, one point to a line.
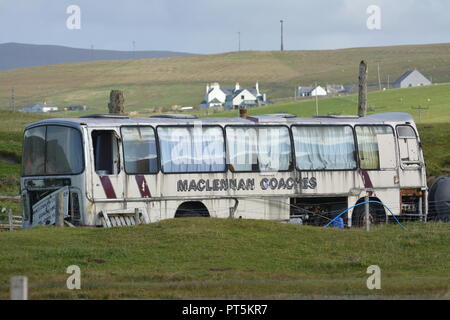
<point>411,78</point>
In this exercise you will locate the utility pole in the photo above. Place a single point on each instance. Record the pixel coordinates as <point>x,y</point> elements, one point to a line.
<point>317,101</point>
<point>13,99</point>
<point>389,82</point>
<point>134,49</point>
<point>92,52</point>
<point>239,41</point>
<point>379,78</point>
<point>282,44</point>
<point>362,98</point>
<point>420,108</point>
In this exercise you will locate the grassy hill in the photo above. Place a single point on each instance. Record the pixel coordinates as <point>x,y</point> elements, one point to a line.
<point>155,83</point>
<point>223,258</point>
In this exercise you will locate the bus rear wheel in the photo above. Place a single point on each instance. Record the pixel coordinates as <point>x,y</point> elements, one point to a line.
<point>377,215</point>
<point>192,209</point>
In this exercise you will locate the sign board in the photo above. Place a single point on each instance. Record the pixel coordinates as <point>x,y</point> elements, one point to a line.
<point>44,211</point>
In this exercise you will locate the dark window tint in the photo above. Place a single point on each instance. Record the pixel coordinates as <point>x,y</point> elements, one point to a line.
<point>64,151</point>
<point>52,150</point>
<point>33,159</point>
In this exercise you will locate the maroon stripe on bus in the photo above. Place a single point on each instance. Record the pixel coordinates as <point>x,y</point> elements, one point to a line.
<point>108,187</point>
<point>143,187</point>
<point>366,179</point>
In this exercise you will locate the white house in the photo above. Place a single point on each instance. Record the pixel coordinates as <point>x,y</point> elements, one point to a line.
<point>311,91</point>
<point>39,108</point>
<point>411,78</point>
<point>235,98</point>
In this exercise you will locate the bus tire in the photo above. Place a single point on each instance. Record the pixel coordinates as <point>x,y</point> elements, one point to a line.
<point>377,215</point>
<point>192,209</point>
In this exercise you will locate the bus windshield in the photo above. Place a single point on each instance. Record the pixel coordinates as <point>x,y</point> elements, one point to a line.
<point>52,150</point>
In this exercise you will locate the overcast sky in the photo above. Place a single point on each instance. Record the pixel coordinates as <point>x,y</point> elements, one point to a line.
<point>211,26</point>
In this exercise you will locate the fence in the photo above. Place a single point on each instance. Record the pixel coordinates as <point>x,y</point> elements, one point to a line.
<point>10,222</point>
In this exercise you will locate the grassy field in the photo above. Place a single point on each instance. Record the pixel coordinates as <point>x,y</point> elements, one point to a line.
<point>156,83</point>
<point>436,98</point>
<point>221,258</point>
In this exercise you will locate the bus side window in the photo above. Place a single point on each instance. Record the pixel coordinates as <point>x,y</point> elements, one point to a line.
<point>106,152</point>
<point>408,145</point>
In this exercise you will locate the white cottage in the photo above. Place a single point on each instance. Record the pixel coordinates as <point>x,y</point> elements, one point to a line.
<point>311,91</point>
<point>235,98</point>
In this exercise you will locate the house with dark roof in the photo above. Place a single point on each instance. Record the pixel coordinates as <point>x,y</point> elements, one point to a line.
<point>311,91</point>
<point>232,98</point>
<point>411,78</point>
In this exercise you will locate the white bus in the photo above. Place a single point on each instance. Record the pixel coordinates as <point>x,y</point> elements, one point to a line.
<point>114,170</point>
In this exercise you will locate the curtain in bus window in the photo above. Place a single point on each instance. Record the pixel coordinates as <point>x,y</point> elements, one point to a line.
<point>324,148</point>
<point>34,152</point>
<point>259,148</point>
<point>139,150</point>
<point>242,146</point>
<point>274,148</point>
<point>192,149</point>
<point>64,151</point>
<point>376,145</point>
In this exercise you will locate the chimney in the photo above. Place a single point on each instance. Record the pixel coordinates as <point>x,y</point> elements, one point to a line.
<point>237,87</point>
<point>257,88</point>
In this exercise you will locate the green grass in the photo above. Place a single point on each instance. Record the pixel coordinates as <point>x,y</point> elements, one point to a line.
<point>221,258</point>
<point>156,83</point>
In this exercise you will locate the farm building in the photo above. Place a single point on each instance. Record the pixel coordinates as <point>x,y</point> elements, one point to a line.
<point>311,91</point>
<point>232,98</point>
<point>39,108</point>
<point>411,78</point>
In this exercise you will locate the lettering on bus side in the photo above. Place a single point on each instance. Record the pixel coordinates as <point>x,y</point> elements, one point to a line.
<point>245,184</point>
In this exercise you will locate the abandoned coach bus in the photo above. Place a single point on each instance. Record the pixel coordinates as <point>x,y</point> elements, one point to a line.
<point>106,170</point>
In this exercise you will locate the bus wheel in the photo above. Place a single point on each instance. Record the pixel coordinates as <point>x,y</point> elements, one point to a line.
<point>192,209</point>
<point>377,215</point>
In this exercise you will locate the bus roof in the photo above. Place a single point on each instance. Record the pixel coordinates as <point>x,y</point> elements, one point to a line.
<point>115,121</point>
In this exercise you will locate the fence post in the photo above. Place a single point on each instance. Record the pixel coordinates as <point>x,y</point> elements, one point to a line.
<point>19,288</point>
<point>59,222</point>
<point>10,219</point>
<point>367,209</point>
<point>136,216</point>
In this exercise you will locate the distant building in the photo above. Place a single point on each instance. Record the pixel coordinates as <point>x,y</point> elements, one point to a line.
<point>411,78</point>
<point>335,89</point>
<point>311,91</point>
<point>76,108</point>
<point>39,108</point>
<point>236,98</point>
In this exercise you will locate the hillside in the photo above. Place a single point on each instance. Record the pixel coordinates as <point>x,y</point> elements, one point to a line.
<point>21,55</point>
<point>162,82</point>
<point>224,258</point>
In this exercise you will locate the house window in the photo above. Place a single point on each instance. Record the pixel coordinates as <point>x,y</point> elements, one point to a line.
<point>242,97</point>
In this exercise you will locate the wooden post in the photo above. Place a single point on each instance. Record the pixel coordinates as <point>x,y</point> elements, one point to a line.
<point>116,101</point>
<point>362,99</point>
<point>59,210</point>
<point>137,219</point>
<point>19,288</point>
<point>10,219</point>
<point>367,208</point>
